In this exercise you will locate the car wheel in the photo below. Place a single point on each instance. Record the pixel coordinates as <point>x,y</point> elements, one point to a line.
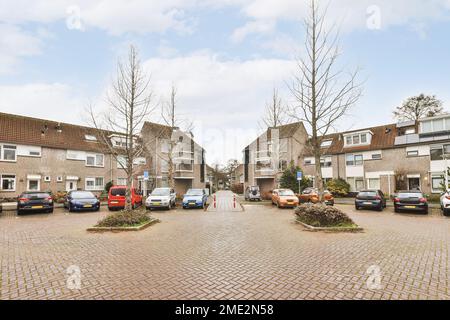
<point>380,208</point>
<point>426,212</point>
<point>50,211</point>
<point>278,205</point>
<point>357,208</point>
<point>70,208</point>
<point>396,210</point>
<point>446,212</point>
<point>19,212</point>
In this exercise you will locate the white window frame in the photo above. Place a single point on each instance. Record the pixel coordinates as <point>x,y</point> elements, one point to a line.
<point>121,179</point>
<point>9,147</point>
<point>95,155</point>
<point>90,137</point>
<point>47,179</point>
<point>95,186</point>
<point>326,143</point>
<point>38,185</point>
<point>1,182</point>
<point>349,139</point>
<point>378,183</point>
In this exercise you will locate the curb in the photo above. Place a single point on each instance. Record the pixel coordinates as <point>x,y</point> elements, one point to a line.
<point>118,229</point>
<point>330,229</point>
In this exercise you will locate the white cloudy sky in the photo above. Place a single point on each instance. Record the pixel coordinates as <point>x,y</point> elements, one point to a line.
<point>225,56</point>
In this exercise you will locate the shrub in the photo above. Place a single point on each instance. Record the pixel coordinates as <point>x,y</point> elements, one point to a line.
<point>59,196</point>
<point>108,186</point>
<point>238,188</point>
<point>125,219</point>
<point>289,179</point>
<point>338,187</point>
<point>318,215</point>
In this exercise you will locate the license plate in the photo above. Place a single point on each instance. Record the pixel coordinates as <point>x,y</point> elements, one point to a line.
<point>192,204</point>
<point>37,207</point>
<point>410,207</point>
<point>368,203</point>
<point>156,203</point>
<point>114,202</point>
<point>87,206</point>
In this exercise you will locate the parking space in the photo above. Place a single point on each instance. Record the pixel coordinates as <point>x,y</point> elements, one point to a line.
<point>256,254</point>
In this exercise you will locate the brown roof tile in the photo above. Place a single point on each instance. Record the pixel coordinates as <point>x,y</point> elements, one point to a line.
<point>29,131</point>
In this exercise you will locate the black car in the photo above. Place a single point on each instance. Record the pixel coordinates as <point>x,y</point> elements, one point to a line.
<point>34,202</point>
<point>81,201</point>
<point>370,199</point>
<point>410,201</point>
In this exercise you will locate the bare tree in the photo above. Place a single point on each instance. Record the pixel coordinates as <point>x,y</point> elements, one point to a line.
<point>174,121</point>
<point>275,112</point>
<point>415,108</point>
<point>129,105</point>
<point>322,91</point>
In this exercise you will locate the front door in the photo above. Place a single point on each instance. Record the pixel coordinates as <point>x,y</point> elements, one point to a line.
<point>71,186</point>
<point>414,183</point>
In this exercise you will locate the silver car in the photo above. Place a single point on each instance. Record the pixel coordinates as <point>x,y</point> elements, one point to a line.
<point>445,203</point>
<point>164,198</point>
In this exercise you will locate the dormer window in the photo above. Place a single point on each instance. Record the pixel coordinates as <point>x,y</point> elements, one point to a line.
<point>326,143</point>
<point>90,137</point>
<point>356,139</point>
<point>440,124</point>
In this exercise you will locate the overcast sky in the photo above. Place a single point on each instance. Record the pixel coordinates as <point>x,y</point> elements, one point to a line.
<point>225,56</point>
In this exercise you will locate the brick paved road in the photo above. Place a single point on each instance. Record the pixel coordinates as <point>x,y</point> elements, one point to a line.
<point>256,254</point>
<point>226,201</point>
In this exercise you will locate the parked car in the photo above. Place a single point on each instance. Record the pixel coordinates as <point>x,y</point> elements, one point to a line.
<point>81,201</point>
<point>195,198</point>
<point>34,202</point>
<point>252,194</point>
<point>117,199</point>
<point>370,199</point>
<point>284,198</point>
<point>445,203</point>
<point>311,195</point>
<point>410,201</point>
<point>161,198</point>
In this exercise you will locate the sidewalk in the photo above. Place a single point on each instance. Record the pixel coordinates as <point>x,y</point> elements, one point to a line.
<point>12,206</point>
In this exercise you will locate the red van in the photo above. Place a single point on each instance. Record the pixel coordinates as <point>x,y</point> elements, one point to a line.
<point>116,198</point>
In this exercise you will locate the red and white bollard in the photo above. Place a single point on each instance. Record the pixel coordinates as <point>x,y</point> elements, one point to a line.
<point>215,206</point>
<point>234,201</point>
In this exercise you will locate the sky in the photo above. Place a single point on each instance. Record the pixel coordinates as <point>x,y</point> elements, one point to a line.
<point>57,57</point>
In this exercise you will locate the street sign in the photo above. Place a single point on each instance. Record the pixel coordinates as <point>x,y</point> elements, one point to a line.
<point>299,176</point>
<point>146,175</point>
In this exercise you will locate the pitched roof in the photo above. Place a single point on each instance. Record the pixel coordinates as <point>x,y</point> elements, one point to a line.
<point>288,130</point>
<point>383,138</point>
<point>40,132</point>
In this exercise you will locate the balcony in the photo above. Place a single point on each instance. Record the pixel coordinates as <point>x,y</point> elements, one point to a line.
<point>265,155</point>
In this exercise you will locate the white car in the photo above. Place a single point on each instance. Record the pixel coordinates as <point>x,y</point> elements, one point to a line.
<point>161,198</point>
<point>445,203</point>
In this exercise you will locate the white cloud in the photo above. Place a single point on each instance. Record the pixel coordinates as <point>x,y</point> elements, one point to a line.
<point>225,98</point>
<point>16,44</point>
<point>43,100</point>
<point>252,27</point>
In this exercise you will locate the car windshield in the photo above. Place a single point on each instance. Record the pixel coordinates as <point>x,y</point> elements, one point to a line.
<point>410,195</point>
<point>161,192</point>
<point>286,193</point>
<point>195,192</point>
<point>254,188</point>
<point>367,194</point>
<point>118,192</point>
<point>35,195</point>
<point>83,195</point>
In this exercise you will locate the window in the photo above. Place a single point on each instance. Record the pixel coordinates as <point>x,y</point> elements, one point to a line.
<point>326,143</point>
<point>325,162</point>
<point>435,125</point>
<point>364,138</point>
<point>8,152</point>
<point>438,125</point>
<point>283,164</point>
<point>374,184</point>
<point>96,183</point>
<point>376,156</point>
<point>348,140</point>
<point>427,126</point>
<point>358,160</point>
<point>59,179</point>
<point>413,153</point>
<point>436,154</point>
<point>354,160</point>
<point>308,162</point>
<point>350,160</point>
<point>47,179</point>
<point>165,146</point>
<point>94,160</point>
<point>90,137</point>
<point>8,182</point>
<point>410,131</point>
<point>34,185</point>
<point>356,184</point>
<point>121,162</point>
<point>75,155</point>
<point>356,139</point>
<point>121,181</point>
<point>437,182</point>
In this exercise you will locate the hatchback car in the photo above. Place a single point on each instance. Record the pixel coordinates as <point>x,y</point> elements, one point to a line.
<point>410,201</point>
<point>252,193</point>
<point>195,198</point>
<point>117,198</point>
<point>284,198</point>
<point>81,201</point>
<point>34,202</point>
<point>445,203</point>
<point>164,198</point>
<point>370,199</point>
<point>311,195</point>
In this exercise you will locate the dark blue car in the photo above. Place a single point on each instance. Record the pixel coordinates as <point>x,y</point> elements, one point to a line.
<point>195,198</point>
<point>81,201</point>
